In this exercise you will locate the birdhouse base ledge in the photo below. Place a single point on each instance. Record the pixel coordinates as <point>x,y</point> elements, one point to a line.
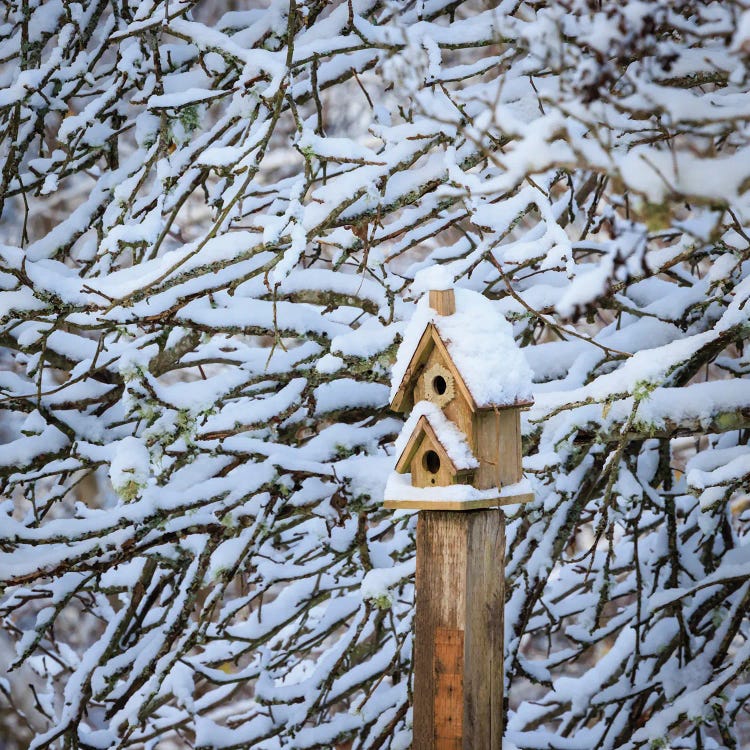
<point>401,495</point>
<point>483,504</point>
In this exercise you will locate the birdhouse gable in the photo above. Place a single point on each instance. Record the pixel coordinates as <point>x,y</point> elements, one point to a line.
<point>433,448</point>
<point>440,378</point>
<point>427,462</point>
<point>476,347</point>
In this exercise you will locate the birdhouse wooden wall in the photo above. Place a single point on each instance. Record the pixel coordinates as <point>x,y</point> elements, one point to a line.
<point>496,442</point>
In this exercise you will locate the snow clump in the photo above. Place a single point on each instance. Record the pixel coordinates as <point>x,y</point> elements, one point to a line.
<point>129,469</point>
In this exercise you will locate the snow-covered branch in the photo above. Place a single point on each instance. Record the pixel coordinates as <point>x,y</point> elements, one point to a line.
<point>213,226</point>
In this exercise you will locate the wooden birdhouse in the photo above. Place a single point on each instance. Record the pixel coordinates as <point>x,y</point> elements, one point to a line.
<point>465,381</point>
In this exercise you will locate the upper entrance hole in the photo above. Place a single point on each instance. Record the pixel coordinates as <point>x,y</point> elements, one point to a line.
<point>439,385</point>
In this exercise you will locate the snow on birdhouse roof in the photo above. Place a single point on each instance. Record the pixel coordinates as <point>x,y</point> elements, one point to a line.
<point>451,438</point>
<point>480,342</point>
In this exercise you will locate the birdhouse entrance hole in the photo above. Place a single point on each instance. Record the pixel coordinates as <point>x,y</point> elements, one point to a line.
<point>431,463</point>
<point>439,384</point>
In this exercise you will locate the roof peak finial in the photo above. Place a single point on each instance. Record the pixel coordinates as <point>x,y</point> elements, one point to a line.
<point>443,301</point>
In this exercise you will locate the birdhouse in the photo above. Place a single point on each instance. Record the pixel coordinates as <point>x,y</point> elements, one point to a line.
<point>464,381</point>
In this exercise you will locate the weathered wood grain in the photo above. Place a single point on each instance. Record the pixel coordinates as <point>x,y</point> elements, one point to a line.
<point>493,502</point>
<point>483,640</point>
<point>443,301</point>
<point>458,681</point>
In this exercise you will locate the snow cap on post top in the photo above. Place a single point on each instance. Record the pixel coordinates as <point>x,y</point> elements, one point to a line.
<point>438,282</point>
<point>489,367</point>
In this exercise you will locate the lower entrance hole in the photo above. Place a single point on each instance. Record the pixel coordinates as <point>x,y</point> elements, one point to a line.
<point>431,462</point>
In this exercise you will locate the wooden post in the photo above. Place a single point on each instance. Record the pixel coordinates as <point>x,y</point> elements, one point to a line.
<point>458,651</point>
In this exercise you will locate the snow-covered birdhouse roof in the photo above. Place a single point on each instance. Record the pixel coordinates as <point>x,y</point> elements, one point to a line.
<point>426,419</point>
<point>489,367</point>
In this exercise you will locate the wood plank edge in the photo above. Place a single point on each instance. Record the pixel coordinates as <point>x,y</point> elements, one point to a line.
<point>496,502</point>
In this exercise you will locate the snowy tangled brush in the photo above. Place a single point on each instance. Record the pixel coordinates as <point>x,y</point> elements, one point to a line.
<point>212,228</point>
